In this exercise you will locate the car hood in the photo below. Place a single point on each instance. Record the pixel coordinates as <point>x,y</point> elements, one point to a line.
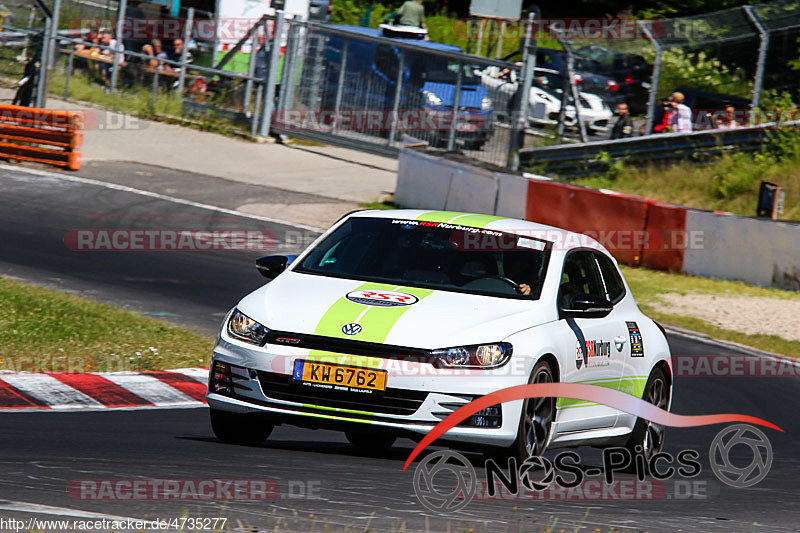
<point>312,304</point>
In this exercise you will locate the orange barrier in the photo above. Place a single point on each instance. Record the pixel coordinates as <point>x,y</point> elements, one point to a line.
<point>617,221</point>
<point>41,135</point>
<point>667,238</point>
<point>635,230</point>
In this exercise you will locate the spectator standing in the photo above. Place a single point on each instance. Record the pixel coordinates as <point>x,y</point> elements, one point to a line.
<point>681,117</point>
<point>177,51</point>
<point>262,58</point>
<point>730,117</point>
<point>623,128</point>
<point>666,116</point>
<point>411,13</point>
<point>159,53</point>
<point>107,39</point>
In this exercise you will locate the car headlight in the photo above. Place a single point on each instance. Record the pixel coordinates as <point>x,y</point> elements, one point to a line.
<point>477,356</point>
<point>432,98</point>
<point>244,328</point>
<point>486,103</point>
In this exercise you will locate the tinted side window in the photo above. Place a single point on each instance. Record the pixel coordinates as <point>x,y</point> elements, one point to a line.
<point>580,276</point>
<point>615,288</point>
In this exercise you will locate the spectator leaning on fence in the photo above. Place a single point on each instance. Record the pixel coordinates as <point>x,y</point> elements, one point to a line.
<point>623,128</point>
<point>681,118</point>
<point>177,51</point>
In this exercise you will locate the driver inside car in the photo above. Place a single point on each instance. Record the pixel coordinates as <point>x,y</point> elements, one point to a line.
<point>517,269</point>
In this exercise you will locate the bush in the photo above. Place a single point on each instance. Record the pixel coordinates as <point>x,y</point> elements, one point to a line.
<point>701,71</point>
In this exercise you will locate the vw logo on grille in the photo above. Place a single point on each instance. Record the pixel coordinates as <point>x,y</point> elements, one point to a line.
<point>351,329</point>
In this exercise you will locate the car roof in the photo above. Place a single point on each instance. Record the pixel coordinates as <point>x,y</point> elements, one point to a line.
<point>375,32</point>
<point>516,226</point>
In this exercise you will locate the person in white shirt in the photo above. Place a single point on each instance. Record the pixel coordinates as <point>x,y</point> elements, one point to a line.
<point>681,118</point>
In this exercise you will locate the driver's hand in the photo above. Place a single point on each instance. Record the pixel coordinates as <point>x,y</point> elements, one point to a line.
<point>525,289</point>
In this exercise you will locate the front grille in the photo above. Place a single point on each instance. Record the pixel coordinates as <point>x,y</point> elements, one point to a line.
<point>348,346</point>
<point>392,401</point>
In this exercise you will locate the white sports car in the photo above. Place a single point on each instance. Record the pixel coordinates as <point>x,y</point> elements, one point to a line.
<point>544,100</point>
<point>391,320</point>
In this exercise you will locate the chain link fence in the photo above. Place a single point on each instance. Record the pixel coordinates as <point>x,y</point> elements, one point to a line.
<point>355,86</point>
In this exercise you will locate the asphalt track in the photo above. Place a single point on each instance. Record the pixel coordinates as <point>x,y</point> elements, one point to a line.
<point>324,484</point>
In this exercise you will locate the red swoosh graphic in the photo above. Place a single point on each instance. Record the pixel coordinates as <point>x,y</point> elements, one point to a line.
<point>590,393</point>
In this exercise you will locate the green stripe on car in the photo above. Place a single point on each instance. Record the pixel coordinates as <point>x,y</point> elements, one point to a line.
<point>376,323</point>
<point>464,219</point>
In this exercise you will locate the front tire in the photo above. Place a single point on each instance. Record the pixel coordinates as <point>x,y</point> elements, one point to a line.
<point>647,438</point>
<point>240,428</point>
<point>536,420</point>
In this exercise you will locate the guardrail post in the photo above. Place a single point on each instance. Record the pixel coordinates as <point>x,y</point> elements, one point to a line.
<point>254,121</point>
<point>763,45</point>
<point>154,91</point>
<point>53,35</point>
<point>340,85</point>
<point>187,34</point>
<point>44,68</point>
<point>451,136</point>
<point>285,98</point>
<point>398,90</point>
<point>519,116</point>
<point>573,89</point>
<point>654,79</point>
<point>69,71</point>
<point>251,69</point>
<point>118,38</point>
<point>272,76</point>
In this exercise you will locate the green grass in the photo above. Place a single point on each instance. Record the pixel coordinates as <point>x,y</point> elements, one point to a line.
<point>137,100</point>
<point>647,287</point>
<point>37,322</point>
<point>386,204</point>
<point>729,184</point>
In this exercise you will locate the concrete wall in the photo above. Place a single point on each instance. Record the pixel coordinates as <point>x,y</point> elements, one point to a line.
<point>761,252</point>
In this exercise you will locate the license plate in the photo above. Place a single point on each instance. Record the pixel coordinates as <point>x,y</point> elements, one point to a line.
<point>339,377</point>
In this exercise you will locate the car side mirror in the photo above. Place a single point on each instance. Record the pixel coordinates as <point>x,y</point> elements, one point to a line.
<point>587,306</point>
<point>271,265</point>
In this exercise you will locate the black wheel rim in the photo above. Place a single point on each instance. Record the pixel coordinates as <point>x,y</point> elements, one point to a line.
<point>539,413</point>
<point>654,433</point>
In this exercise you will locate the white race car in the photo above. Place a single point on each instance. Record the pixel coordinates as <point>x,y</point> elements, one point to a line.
<point>544,100</point>
<point>391,320</point>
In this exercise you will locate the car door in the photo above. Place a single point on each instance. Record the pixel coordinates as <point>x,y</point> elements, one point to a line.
<point>590,344</point>
<point>629,344</point>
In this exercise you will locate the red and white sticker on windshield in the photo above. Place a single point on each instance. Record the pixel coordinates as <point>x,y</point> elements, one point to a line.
<point>382,298</point>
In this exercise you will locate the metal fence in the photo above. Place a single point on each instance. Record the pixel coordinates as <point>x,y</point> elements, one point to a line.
<point>585,159</point>
<point>355,87</point>
<point>733,56</point>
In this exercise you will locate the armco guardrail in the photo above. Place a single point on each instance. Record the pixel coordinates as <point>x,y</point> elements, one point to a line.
<point>41,135</point>
<point>657,150</point>
<point>637,231</point>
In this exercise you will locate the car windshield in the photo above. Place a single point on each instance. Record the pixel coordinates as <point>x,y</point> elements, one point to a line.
<point>432,255</point>
<point>441,70</point>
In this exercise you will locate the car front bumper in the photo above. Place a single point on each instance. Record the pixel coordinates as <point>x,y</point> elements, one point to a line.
<point>417,397</point>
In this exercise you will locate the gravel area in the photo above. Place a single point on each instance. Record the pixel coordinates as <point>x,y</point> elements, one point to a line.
<point>746,314</point>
